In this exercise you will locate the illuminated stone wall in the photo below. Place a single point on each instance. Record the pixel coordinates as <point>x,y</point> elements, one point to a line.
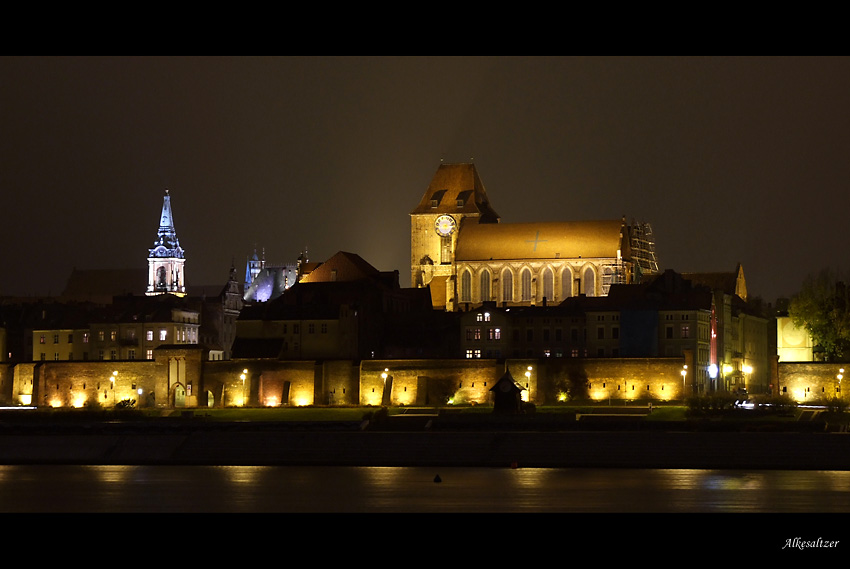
<point>429,382</point>
<point>812,382</point>
<point>657,379</point>
<point>335,382</point>
<point>77,384</point>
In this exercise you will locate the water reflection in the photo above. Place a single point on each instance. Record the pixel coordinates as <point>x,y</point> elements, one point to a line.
<point>387,489</point>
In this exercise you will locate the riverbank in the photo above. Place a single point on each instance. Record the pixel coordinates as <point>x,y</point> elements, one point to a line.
<point>355,445</point>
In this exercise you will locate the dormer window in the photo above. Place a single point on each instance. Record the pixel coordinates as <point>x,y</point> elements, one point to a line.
<point>436,197</point>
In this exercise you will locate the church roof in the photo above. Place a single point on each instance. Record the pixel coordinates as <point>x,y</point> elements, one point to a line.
<point>732,283</point>
<point>457,188</point>
<point>341,267</point>
<point>166,244</point>
<point>550,240</point>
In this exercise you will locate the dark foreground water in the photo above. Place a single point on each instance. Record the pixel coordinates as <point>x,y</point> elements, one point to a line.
<point>292,489</point>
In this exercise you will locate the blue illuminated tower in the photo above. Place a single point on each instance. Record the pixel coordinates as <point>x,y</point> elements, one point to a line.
<point>166,259</point>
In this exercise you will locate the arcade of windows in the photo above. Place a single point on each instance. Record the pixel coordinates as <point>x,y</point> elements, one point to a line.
<point>569,285</point>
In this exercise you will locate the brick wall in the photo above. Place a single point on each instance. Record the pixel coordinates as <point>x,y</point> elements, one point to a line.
<point>810,382</point>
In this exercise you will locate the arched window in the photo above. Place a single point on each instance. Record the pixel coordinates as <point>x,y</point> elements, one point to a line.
<point>466,287</point>
<point>588,282</point>
<point>566,283</point>
<point>507,286</point>
<point>485,285</point>
<point>525,279</point>
<point>548,285</point>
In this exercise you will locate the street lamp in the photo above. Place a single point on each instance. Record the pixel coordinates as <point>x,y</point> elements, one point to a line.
<point>712,373</point>
<point>684,373</point>
<point>525,395</point>
<point>747,369</point>
<point>112,379</point>
<point>243,376</point>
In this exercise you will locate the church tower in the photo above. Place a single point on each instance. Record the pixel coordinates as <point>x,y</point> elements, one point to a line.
<point>166,258</point>
<point>456,195</point>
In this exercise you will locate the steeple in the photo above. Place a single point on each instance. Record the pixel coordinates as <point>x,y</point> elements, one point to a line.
<point>166,258</point>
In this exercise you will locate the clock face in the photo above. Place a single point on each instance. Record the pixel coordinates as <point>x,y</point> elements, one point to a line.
<point>445,225</point>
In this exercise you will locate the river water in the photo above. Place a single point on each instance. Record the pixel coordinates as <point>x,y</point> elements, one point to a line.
<point>310,489</point>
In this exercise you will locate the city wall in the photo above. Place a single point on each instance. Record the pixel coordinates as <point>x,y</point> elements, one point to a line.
<point>180,378</point>
<point>812,382</point>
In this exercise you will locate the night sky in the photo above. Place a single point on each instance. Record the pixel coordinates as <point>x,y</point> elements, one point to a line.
<point>729,159</point>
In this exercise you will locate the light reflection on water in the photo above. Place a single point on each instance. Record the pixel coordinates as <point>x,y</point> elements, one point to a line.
<point>236,489</point>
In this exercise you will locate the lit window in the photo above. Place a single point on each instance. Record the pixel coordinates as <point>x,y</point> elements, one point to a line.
<point>41,340</point>
<point>149,354</point>
<point>149,335</point>
<point>163,334</point>
<point>113,335</point>
<point>468,353</point>
<point>477,353</point>
<point>85,337</point>
<point>686,331</point>
<point>486,317</point>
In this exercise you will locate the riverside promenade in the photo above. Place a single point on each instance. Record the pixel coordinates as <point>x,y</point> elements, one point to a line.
<point>352,444</point>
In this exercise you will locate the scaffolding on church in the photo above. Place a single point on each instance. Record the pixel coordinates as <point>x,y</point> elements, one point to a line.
<point>614,273</point>
<point>643,250</point>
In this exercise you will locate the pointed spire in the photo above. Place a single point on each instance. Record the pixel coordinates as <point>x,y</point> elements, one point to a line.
<point>166,257</point>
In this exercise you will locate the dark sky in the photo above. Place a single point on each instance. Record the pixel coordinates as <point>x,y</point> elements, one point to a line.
<point>730,159</point>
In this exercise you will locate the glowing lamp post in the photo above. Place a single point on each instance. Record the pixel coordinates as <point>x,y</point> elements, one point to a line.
<point>747,369</point>
<point>525,393</point>
<point>712,373</point>
<point>839,377</point>
<point>112,379</point>
<point>684,373</point>
<point>385,394</point>
<point>243,376</point>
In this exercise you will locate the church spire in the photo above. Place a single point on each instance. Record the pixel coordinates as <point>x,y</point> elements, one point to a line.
<point>167,236</point>
<point>166,258</point>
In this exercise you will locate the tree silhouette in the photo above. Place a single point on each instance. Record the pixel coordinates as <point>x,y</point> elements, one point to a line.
<point>822,307</point>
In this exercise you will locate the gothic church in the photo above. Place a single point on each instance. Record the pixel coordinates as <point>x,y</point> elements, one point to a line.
<point>461,251</point>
